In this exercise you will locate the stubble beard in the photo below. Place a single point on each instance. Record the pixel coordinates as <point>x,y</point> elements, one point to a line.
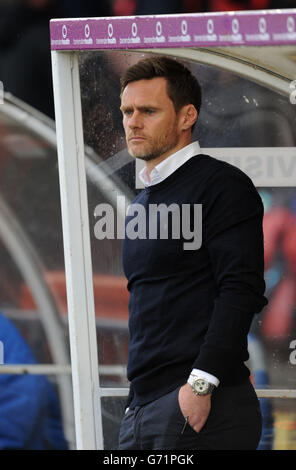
<point>155,149</point>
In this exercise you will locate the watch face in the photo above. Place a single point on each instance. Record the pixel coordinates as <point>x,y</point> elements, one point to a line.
<point>201,386</point>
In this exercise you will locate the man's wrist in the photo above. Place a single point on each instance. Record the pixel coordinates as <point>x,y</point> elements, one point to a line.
<point>205,375</point>
<point>202,383</point>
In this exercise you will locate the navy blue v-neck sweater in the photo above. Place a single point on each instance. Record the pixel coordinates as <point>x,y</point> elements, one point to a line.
<point>193,308</point>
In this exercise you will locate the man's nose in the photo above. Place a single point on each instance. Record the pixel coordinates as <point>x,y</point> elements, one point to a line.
<point>135,120</point>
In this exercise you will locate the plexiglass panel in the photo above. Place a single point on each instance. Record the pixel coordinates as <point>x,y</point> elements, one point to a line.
<point>243,123</point>
<point>112,413</point>
<point>36,409</point>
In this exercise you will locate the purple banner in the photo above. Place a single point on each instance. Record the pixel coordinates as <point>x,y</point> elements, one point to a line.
<point>253,28</point>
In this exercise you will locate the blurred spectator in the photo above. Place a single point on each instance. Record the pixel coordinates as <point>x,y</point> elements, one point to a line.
<point>233,5</point>
<point>29,407</point>
<point>224,5</point>
<point>124,7</point>
<point>147,7</point>
<point>25,61</point>
<point>155,7</point>
<point>85,8</point>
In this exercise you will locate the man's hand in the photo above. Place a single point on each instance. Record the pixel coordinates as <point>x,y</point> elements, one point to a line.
<point>196,407</point>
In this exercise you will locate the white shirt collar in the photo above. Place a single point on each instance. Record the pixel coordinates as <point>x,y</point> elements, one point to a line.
<point>169,165</point>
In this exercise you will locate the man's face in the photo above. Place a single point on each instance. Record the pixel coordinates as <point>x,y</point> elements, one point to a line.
<point>149,119</point>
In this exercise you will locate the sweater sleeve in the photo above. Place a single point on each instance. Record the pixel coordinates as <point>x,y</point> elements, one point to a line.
<point>233,236</point>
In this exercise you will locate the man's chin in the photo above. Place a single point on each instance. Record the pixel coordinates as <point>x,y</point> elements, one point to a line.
<point>145,158</point>
<point>141,156</point>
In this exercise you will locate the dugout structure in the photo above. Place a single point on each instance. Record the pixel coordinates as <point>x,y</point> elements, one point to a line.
<point>246,64</point>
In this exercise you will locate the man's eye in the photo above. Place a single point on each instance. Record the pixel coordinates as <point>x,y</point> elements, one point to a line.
<point>149,111</point>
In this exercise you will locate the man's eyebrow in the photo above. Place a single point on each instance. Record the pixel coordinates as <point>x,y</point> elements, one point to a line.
<point>125,108</point>
<point>140,108</point>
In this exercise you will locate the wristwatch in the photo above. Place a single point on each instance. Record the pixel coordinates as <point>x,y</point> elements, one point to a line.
<point>200,386</point>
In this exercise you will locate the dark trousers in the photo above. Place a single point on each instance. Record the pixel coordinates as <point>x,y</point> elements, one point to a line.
<point>234,423</point>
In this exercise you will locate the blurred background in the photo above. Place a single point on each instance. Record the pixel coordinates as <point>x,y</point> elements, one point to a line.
<point>33,307</point>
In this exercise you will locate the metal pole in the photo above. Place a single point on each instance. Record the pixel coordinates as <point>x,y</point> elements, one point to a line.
<point>81,312</point>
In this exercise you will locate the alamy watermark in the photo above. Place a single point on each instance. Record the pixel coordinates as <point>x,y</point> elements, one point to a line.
<point>293,92</point>
<point>161,221</point>
<point>1,353</point>
<point>292,357</point>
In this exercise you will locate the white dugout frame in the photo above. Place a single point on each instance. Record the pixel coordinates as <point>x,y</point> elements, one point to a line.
<point>219,46</point>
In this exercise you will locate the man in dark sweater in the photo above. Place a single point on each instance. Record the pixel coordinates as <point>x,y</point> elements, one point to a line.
<point>193,258</point>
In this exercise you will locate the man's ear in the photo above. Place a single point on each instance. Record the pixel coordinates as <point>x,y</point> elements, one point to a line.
<point>188,116</point>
